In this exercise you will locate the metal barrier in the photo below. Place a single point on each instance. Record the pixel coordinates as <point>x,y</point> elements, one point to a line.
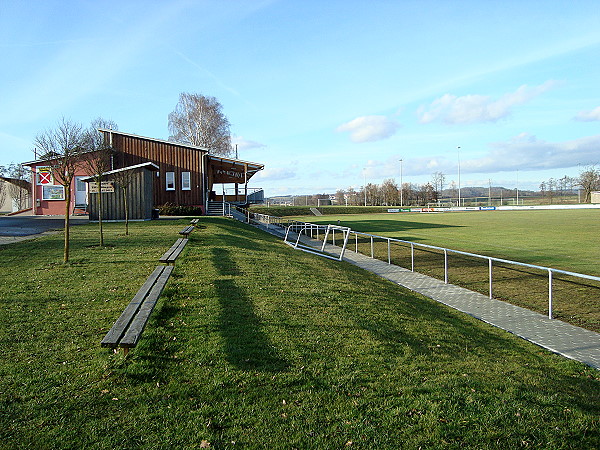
<point>307,227</point>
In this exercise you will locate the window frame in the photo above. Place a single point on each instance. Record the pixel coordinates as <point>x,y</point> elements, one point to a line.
<point>186,181</point>
<point>170,180</point>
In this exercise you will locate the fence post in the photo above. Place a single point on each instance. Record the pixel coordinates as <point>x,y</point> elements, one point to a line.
<point>550,294</point>
<point>389,252</point>
<point>412,257</point>
<point>445,266</point>
<point>490,271</point>
<point>333,238</point>
<point>372,249</point>
<point>356,241</point>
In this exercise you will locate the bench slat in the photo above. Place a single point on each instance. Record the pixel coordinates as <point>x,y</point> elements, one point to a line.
<point>118,329</point>
<point>133,333</point>
<point>172,254</point>
<point>187,230</point>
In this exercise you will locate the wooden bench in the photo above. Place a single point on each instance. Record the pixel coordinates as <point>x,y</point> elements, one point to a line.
<point>187,230</point>
<point>128,328</point>
<point>171,255</point>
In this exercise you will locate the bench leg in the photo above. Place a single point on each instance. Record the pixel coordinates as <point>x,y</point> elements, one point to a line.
<point>125,351</point>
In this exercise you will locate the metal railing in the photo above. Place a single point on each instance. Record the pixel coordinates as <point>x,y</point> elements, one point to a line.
<point>313,230</point>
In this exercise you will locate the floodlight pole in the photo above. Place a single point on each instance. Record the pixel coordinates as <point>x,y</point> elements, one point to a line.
<point>517,187</point>
<point>401,188</point>
<point>458,176</point>
<point>365,188</point>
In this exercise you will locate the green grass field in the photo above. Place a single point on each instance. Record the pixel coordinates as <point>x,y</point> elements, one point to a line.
<point>563,239</point>
<point>255,345</point>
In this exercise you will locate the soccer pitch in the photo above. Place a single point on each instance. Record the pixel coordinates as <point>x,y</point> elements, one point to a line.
<point>564,239</point>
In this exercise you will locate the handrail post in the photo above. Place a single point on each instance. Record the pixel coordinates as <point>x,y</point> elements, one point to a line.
<point>389,252</point>
<point>490,271</point>
<point>372,249</point>
<point>346,237</point>
<point>550,294</point>
<point>445,266</point>
<point>356,241</point>
<point>333,238</point>
<point>412,257</point>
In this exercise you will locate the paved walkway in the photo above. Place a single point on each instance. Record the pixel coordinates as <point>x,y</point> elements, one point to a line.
<point>557,336</point>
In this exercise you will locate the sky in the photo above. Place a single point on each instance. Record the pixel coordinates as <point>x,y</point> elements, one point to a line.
<point>327,94</point>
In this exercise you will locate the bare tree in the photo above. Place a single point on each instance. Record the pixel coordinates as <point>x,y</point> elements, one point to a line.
<point>199,120</point>
<point>389,191</point>
<point>352,196</point>
<point>589,179</point>
<point>372,192</point>
<point>64,145</point>
<point>438,180</point>
<point>3,188</point>
<point>98,160</point>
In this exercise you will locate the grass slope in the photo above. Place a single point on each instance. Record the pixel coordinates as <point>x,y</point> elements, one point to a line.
<point>255,345</point>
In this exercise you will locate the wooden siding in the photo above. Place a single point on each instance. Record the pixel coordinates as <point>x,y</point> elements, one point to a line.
<point>139,199</point>
<point>169,157</point>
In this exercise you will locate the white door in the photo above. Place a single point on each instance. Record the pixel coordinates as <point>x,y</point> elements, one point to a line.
<point>80,192</point>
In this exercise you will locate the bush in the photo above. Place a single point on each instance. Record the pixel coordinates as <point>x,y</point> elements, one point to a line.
<point>169,209</point>
<point>283,211</point>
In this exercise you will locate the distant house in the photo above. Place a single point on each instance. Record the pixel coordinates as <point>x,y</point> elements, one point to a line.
<point>187,175</point>
<point>595,197</point>
<point>15,195</point>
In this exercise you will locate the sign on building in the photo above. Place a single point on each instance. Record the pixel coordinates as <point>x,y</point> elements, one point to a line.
<point>44,176</point>
<point>105,187</point>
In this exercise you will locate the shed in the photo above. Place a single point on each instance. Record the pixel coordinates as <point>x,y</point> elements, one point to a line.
<point>595,197</point>
<point>132,186</point>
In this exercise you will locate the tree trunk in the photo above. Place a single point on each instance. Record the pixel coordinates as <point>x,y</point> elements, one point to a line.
<point>126,212</point>
<point>67,206</point>
<point>99,201</point>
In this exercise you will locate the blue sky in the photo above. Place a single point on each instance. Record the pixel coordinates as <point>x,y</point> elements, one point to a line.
<point>326,94</point>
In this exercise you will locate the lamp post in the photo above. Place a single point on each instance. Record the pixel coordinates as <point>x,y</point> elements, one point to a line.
<point>365,185</point>
<point>517,187</point>
<point>401,188</point>
<point>458,176</point>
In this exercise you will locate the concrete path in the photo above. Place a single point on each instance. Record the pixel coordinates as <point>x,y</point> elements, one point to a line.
<point>557,336</point>
<point>26,226</point>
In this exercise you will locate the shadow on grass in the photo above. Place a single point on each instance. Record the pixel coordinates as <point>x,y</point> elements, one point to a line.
<point>388,226</point>
<point>246,345</point>
<point>154,357</point>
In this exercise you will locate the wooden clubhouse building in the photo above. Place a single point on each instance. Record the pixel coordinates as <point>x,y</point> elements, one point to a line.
<point>184,175</point>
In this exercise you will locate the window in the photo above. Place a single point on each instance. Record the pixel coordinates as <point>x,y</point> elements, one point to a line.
<point>170,181</point>
<point>53,193</point>
<point>185,181</point>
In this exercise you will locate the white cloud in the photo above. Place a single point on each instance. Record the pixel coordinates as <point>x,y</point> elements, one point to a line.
<point>589,116</point>
<point>276,173</point>
<point>527,152</point>
<point>369,128</point>
<point>523,152</point>
<point>479,108</point>
<point>245,144</point>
